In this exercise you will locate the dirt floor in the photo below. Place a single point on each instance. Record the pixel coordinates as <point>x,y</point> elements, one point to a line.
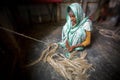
<point>103,53</point>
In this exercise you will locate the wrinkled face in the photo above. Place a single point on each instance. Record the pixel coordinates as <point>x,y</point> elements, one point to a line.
<point>72,17</point>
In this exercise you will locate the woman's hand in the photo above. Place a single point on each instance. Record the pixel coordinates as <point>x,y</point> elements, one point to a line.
<point>67,44</point>
<point>71,48</point>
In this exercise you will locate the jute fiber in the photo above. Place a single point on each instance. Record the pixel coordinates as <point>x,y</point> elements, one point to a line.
<point>71,69</point>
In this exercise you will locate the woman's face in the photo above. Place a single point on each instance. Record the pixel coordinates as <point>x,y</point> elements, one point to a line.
<point>72,17</point>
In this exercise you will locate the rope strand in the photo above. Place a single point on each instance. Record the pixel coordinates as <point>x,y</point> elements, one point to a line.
<point>5,29</point>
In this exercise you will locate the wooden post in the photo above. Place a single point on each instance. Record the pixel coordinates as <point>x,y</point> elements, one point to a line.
<point>58,12</point>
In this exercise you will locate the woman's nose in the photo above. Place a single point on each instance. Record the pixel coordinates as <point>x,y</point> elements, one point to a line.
<point>72,18</point>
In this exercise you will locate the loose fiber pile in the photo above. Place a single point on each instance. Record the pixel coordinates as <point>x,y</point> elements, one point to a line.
<point>75,69</point>
<point>115,34</point>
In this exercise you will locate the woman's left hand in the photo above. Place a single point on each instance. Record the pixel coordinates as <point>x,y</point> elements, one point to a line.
<point>71,48</point>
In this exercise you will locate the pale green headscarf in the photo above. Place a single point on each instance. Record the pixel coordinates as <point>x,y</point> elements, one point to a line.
<point>78,12</point>
<point>74,34</point>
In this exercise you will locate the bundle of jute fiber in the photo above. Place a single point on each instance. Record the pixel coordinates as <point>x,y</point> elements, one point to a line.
<point>70,69</point>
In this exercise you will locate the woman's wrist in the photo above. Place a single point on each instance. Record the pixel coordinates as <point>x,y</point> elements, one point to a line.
<point>80,45</point>
<point>73,47</point>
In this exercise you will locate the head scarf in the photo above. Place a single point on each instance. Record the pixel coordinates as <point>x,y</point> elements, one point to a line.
<point>78,12</point>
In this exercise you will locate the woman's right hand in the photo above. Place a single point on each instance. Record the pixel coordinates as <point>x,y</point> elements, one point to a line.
<point>71,48</point>
<point>67,45</point>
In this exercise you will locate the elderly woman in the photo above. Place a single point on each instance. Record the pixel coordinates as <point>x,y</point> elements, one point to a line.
<point>76,33</point>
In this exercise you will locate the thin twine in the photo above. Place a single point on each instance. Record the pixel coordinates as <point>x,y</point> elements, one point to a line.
<point>34,39</point>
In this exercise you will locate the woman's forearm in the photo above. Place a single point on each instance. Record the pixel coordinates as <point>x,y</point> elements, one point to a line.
<point>87,40</point>
<point>67,44</point>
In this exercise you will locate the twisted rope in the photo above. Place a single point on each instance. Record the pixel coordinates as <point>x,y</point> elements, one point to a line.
<point>8,30</point>
<point>109,33</point>
<point>75,69</point>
